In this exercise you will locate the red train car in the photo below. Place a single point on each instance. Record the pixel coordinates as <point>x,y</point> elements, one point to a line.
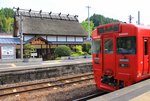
<point>121,55</point>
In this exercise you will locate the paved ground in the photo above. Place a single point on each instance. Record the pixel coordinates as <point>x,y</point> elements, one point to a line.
<point>27,65</point>
<point>143,97</point>
<point>136,92</point>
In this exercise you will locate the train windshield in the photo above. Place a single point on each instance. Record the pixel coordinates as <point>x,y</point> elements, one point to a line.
<point>96,46</point>
<point>126,45</point>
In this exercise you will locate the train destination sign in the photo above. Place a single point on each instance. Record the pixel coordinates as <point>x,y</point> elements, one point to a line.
<point>108,29</point>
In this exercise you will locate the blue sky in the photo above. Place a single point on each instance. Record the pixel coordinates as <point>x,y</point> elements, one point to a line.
<point>117,9</point>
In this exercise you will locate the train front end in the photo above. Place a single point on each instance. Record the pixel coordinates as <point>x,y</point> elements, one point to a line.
<point>114,56</point>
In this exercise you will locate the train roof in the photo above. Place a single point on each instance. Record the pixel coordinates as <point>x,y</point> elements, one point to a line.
<point>142,26</point>
<point>123,23</point>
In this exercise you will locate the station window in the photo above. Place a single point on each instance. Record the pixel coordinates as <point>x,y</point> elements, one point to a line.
<point>108,46</point>
<point>126,45</point>
<point>96,46</point>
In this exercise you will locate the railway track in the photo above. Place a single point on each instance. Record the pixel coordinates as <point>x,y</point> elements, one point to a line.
<point>18,89</point>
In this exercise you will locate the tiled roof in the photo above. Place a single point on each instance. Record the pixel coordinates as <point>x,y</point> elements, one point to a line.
<point>13,40</point>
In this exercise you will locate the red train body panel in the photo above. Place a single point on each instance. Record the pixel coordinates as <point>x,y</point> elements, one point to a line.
<point>121,55</point>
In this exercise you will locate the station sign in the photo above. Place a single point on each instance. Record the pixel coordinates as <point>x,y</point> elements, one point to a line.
<point>38,42</point>
<point>8,52</point>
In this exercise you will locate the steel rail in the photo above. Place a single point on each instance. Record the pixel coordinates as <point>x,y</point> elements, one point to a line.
<point>56,83</point>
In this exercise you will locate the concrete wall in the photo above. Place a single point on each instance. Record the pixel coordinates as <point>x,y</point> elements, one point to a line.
<point>19,60</point>
<point>43,73</point>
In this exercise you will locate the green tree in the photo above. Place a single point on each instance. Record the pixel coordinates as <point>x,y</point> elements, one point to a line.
<point>6,20</point>
<point>9,22</point>
<point>28,49</point>
<point>2,21</point>
<point>7,12</point>
<point>98,19</point>
<point>85,26</point>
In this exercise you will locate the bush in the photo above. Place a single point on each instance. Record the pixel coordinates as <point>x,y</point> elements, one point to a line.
<point>78,49</point>
<point>90,51</point>
<point>87,47</point>
<point>62,51</point>
<point>75,54</point>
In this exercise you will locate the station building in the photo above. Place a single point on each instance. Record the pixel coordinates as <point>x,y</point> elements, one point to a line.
<point>45,31</point>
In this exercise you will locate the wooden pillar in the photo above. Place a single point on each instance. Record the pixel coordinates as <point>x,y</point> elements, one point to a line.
<point>49,48</point>
<point>50,51</point>
<point>0,52</point>
<point>41,50</point>
<point>46,49</point>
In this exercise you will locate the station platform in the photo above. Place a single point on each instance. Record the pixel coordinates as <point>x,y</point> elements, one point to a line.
<point>32,65</point>
<point>28,71</point>
<point>137,92</point>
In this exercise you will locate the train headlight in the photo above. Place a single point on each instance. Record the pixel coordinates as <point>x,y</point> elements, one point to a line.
<point>124,65</point>
<point>97,60</point>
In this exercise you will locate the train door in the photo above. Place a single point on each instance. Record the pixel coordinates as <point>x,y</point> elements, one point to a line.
<point>108,55</point>
<point>146,57</point>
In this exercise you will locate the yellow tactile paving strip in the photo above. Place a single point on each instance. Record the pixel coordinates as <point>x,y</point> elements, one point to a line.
<point>13,65</point>
<point>143,97</point>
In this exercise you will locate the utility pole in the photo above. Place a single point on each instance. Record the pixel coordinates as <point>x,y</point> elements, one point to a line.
<point>130,19</point>
<point>88,22</point>
<point>21,35</point>
<point>20,31</point>
<point>138,17</point>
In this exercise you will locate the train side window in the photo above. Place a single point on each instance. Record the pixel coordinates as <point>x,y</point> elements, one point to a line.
<point>108,46</point>
<point>145,47</point>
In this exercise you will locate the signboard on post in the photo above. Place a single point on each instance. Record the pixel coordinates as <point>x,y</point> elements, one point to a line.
<point>33,54</point>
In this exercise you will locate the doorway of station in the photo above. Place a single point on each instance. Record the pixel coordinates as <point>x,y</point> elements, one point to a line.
<point>45,54</point>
